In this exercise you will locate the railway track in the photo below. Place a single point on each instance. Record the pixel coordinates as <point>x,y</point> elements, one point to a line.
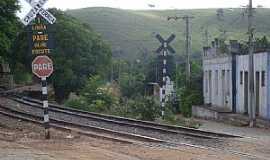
<point>157,133</point>
<point>126,121</point>
<point>78,128</point>
<point>134,127</point>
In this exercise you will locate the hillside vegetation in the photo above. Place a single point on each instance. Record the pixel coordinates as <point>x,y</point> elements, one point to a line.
<point>131,32</point>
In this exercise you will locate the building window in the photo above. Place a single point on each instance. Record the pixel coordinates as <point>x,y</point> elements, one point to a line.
<point>241,77</point>
<point>206,82</point>
<point>263,78</point>
<point>228,82</point>
<point>216,81</point>
<point>210,85</point>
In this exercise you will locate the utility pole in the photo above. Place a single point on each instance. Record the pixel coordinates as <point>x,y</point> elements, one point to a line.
<point>251,105</point>
<point>206,34</point>
<point>188,38</point>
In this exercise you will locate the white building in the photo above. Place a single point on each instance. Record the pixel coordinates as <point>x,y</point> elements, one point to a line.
<point>261,81</point>
<point>226,80</point>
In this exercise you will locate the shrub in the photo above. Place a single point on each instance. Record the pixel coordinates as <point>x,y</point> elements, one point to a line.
<point>147,108</point>
<point>94,97</point>
<point>77,104</point>
<point>189,97</point>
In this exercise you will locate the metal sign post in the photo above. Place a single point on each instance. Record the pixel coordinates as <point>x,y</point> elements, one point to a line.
<point>42,66</point>
<point>165,48</point>
<point>45,107</point>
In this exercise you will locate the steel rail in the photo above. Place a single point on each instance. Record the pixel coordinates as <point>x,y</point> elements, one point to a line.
<point>60,124</point>
<point>130,122</point>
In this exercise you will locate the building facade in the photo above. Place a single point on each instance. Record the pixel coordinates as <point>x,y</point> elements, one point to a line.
<point>261,84</point>
<point>226,79</point>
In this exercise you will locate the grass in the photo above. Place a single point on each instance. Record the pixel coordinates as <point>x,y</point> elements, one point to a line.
<point>130,31</point>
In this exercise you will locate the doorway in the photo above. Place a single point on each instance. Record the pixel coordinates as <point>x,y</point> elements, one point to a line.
<point>257,92</point>
<point>223,88</point>
<point>210,87</point>
<point>246,92</point>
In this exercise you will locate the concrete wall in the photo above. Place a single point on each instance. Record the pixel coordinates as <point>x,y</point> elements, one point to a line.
<point>6,78</point>
<point>268,86</point>
<point>217,81</point>
<point>202,112</point>
<point>261,62</point>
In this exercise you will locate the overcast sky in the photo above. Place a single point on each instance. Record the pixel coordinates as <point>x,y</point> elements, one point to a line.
<point>144,4</point>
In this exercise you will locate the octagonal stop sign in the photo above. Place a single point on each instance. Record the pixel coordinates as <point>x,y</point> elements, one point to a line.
<point>42,66</point>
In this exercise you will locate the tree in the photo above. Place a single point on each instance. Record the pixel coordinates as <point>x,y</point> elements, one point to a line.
<point>8,26</point>
<point>79,52</point>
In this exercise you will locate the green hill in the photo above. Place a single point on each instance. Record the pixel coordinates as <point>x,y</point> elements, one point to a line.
<point>131,32</point>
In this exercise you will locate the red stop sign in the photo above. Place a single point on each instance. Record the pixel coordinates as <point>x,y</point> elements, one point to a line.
<point>42,66</point>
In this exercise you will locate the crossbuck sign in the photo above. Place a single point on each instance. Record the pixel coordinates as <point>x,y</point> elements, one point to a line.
<point>37,9</point>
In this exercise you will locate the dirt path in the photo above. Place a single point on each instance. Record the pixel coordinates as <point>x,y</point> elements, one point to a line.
<point>98,150</point>
<point>257,135</point>
<point>24,141</point>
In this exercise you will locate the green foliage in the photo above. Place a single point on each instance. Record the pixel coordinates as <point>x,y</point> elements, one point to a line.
<point>79,52</point>
<point>95,96</point>
<point>145,108</point>
<point>22,77</point>
<point>20,59</point>
<point>8,26</point>
<point>262,44</point>
<point>189,97</point>
<point>154,68</point>
<point>132,84</point>
<point>223,47</point>
<point>136,28</point>
<point>96,93</point>
<point>78,103</point>
<point>130,77</point>
<point>192,94</point>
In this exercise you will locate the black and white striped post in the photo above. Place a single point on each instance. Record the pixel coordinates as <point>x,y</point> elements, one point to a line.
<point>45,107</point>
<point>165,48</point>
<point>42,67</point>
<point>164,79</point>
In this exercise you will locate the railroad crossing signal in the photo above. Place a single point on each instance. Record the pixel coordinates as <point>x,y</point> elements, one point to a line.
<point>42,66</point>
<point>165,43</point>
<point>165,48</point>
<point>37,9</point>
